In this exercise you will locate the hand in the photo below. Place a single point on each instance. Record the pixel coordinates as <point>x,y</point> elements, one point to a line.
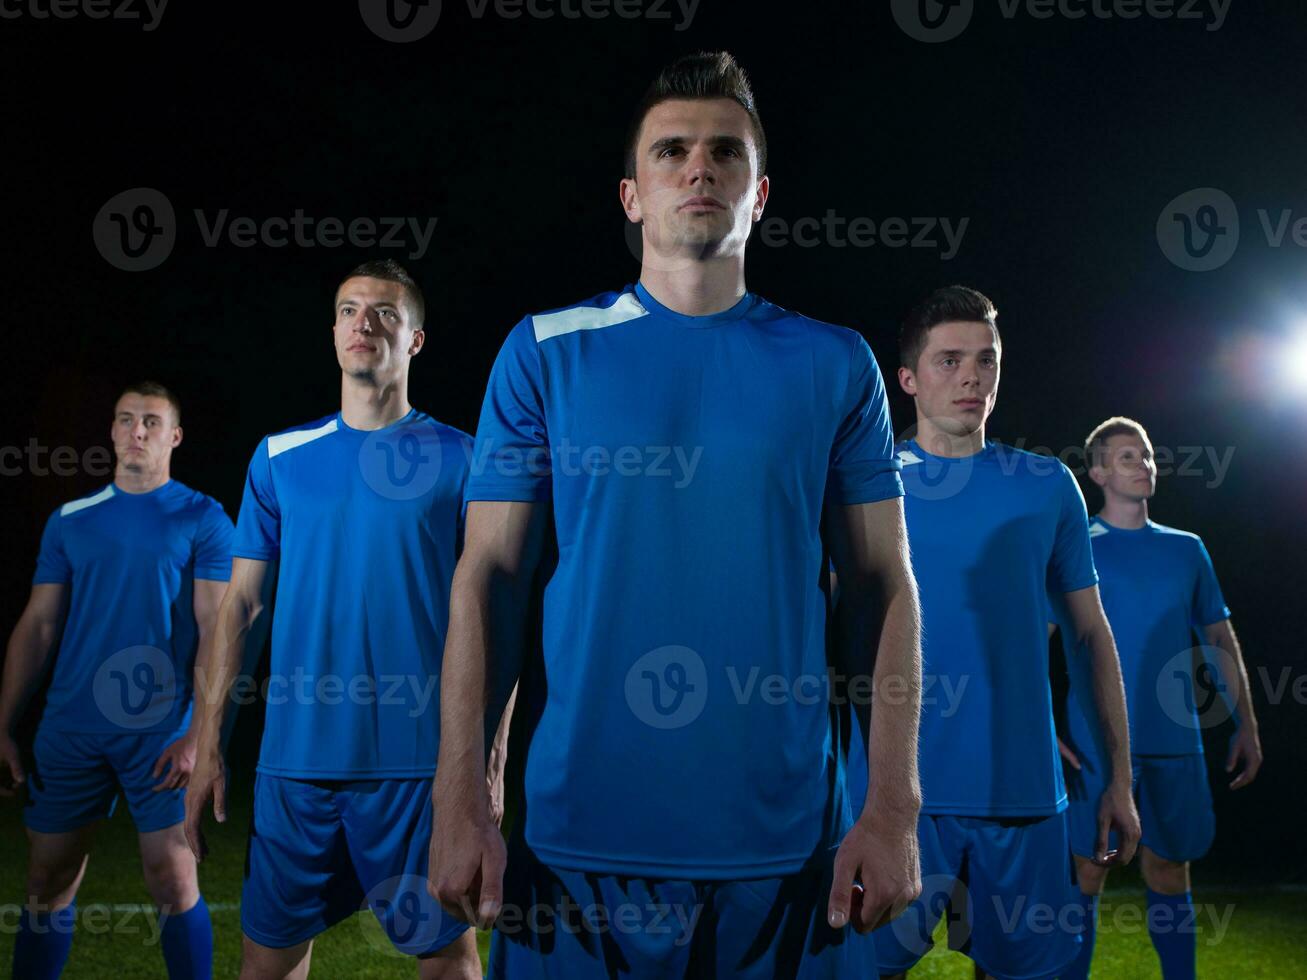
<point>179,757</point>
<point>466,861</point>
<point>12,775</point>
<point>883,853</point>
<point>1116,810</point>
<point>1069,757</point>
<point>1245,747</point>
<point>208,780</point>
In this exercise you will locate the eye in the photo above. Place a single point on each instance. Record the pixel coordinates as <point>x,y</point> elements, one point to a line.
<point>948,362</point>
<point>668,150</point>
<point>988,360</point>
<point>729,150</point>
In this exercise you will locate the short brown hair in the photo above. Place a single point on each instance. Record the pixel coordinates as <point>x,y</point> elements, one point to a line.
<point>946,305</point>
<point>1117,425</point>
<point>704,75</point>
<point>152,389</point>
<point>392,271</point>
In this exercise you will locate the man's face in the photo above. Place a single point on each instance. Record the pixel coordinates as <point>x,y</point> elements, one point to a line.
<point>1126,467</point>
<point>373,334</point>
<point>955,381</point>
<point>696,190</point>
<point>144,432</point>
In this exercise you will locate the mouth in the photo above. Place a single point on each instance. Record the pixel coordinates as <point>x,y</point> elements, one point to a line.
<point>969,404</point>
<point>702,205</point>
<point>360,348</point>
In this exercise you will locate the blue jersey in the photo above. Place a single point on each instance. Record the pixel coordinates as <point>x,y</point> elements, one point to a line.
<point>127,654</point>
<point>365,525</point>
<point>685,729</point>
<point>990,534</point>
<point>1158,587</point>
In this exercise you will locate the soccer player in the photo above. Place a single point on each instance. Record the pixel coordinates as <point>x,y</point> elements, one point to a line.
<point>991,527</point>
<point>133,575</point>
<point>360,511</point>
<point>1159,589</point>
<point>689,442</point>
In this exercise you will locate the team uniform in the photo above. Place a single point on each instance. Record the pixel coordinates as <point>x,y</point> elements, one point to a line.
<point>122,683</point>
<point>1158,588</point>
<point>990,534</point>
<point>365,528</point>
<point>681,815</point>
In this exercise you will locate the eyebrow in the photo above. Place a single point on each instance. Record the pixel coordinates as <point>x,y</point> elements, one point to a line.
<point>721,139</point>
<point>955,352</point>
<point>352,301</point>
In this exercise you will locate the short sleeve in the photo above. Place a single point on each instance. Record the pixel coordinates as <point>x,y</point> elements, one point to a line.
<point>863,468</point>
<point>1208,603</point>
<point>510,460</point>
<point>1072,565</point>
<point>258,527</point>
<point>213,543</point>
<point>52,564</point>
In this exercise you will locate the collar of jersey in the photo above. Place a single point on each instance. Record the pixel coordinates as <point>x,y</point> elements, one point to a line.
<point>990,447</point>
<point>120,492</point>
<point>343,426</point>
<point>711,320</point>
<point>1148,526</point>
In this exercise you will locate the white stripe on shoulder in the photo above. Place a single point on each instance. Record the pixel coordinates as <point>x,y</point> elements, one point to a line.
<point>907,457</point>
<point>73,506</point>
<point>1097,530</point>
<point>278,444</point>
<point>549,325</point>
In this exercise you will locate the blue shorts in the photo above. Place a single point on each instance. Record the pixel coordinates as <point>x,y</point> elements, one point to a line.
<point>577,925</point>
<point>1174,800</point>
<point>77,776</point>
<point>1007,887</point>
<point>320,851</point>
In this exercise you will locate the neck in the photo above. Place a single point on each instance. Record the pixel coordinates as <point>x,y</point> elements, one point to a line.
<point>365,404</point>
<point>140,481</point>
<point>1123,513</point>
<point>936,441</point>
<point>695,287</point>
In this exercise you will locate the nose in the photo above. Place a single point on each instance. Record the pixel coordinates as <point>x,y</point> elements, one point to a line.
<point>700,166</point>
<point>364,323</point>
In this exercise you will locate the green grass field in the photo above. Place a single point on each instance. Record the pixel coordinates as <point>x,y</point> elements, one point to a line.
<point>1242,934</point>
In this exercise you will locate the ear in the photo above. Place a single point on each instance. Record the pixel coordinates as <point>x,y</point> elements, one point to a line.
<point>419,338</point>
<point>176,436</point>
<point>908,381</point>
<point>629,194</point>
<point>760,198</point>
<point>1098,474</point>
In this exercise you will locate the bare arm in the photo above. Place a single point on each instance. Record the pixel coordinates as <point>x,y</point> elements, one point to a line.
<point>869,545</point>
<point>1093,633</point>
<point>483,659</point>
<point>26,660</point>
<point>177,760</point>
<point>218,662</point>
<point>1246,746</point>
<point>30,646</point>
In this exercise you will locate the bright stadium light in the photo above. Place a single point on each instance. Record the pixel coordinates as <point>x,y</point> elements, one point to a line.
<point>1293,366</point>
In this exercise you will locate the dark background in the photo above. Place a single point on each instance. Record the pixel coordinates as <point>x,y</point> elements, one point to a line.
<point>1060,140</point>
